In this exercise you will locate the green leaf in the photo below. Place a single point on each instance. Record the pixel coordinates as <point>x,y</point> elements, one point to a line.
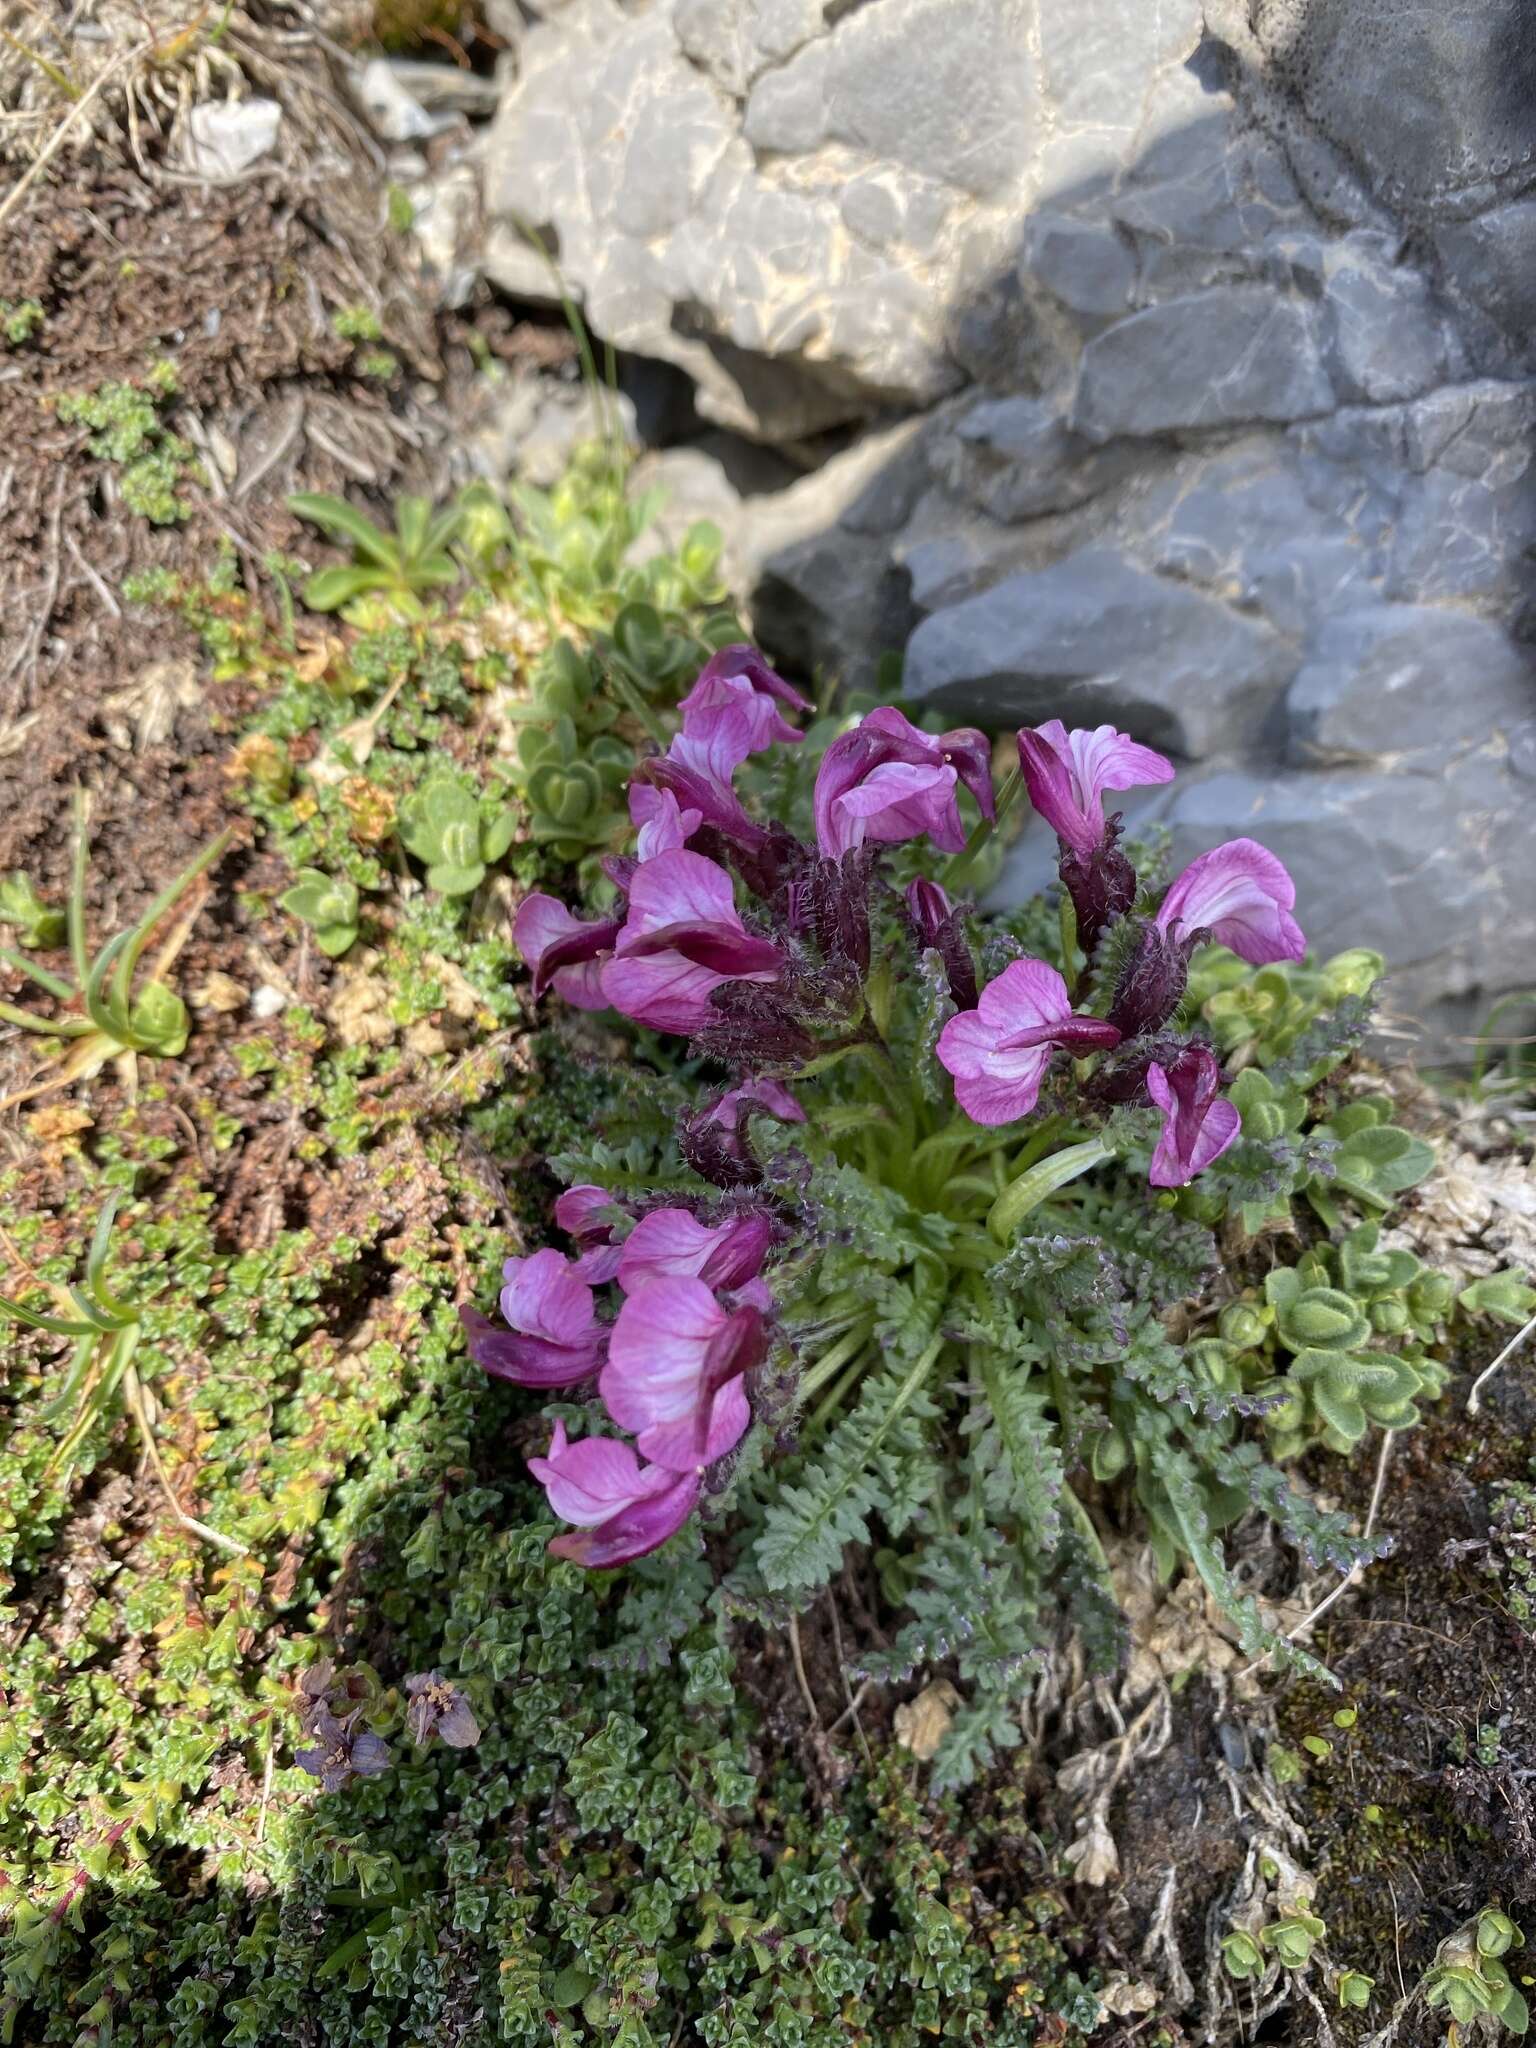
<point>344,521</point>
<point>329,589</point>
<point>448,880</point>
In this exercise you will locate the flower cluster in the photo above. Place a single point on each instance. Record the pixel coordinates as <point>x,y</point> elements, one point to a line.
<point>759,948</point>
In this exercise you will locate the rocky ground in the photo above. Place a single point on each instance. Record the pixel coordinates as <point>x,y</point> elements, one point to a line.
<point>323,335</point>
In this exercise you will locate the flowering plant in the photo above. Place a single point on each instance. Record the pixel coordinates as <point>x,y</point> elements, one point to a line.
<point>906,1266</point>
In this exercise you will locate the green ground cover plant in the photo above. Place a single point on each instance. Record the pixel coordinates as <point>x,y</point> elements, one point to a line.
<point>309,1732</point>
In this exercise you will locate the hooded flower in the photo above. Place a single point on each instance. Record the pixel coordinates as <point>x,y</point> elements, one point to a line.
<point>716,1142</point>
<point>886,781</point>
<point>674,1371</point>
<point>580,1212</point>
<point>563,950</point>
<point>662,826</point>
<point>998,1052</point>
<point>553,1339</point>
<point>1243,896</point>
<point>682,939</point>
<point>739,675</point>
<point>1198,1124</point>
<point>699,767</point>
<point>671,1244</point>
<point>621,1508</point>
<point>1066,774</point>
<point>940,925</point>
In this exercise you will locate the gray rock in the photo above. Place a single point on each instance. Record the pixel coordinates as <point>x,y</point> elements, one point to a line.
<point>1016,458</point>
<point>1096,637</point>
<point>1385,339</point>
<point>1213,359</point>
<point>1086,266</point>
<point>1492,259</point>
<point>1435,102</point>
<point>1431,869</point>
<point>1390,680</point>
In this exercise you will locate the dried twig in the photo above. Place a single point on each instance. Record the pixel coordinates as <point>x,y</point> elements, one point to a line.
<point>1488,1371</point>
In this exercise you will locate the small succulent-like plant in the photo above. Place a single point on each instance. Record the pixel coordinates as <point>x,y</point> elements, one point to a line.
<point>1469,1977</point>
<point>398,567</point>
<point>106,1013</point>
<point>1353,1990</point>
<point>328,905</point>
<point>454,833</point>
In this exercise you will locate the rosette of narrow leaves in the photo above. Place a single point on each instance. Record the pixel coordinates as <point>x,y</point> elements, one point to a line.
<point>455,834</point>
<point>107,1012</point>
<point>398,567</point>
<point>328,904</point>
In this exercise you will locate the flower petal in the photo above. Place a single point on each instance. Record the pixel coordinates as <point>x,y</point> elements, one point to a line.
<point>1243,895</point>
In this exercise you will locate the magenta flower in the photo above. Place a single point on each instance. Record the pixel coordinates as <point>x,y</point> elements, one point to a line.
<point>940,925</point>
<point>886,782</point>
<point>671,1244</point>
<point>674,1372</point>
<point>563,950</point>
<point>998,1052</point>
<point>1242,895</point>
<point>762,1097</point>
<point>622,1509</point>
<point>1198,1123</point>
<point>552,1339</point>
<point>1066,774</point>
<point>662,824</point>
<point>699,767</point>
<point>682,940</point>
<point>580,1211</point>
<point>739,675</point>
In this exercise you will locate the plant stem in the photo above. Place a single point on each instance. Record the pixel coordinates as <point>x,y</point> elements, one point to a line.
<point>1032,1188</point>
<point>832,1361</point>
<point>963,861</point>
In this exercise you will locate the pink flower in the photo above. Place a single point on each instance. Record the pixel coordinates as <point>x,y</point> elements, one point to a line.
<point>674,1371</point>
<point>885,781</point>
<point>1066,774</point>
<point>1198,1124</point>
<point>663,826</point>
<point>552,1339</point>
<point>622,1509</point>
<point>998,1052</point>
<point>699,766</point>
<point>1243,896</point>
<point>580,1211</point>
<point>564,950</point>
<point>739,675</point>
<point>671,1244</point>
<point>762,1097</point>
<point>682,939</point>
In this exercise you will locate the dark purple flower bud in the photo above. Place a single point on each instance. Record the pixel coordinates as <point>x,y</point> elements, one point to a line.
<point>1152,981</point>
<point>1198,1122</point>
<point>438,1708</point>
<point>940,925</point>
<point>836,907</point>
<point>341,1750</point>
<point>1100,882</point>
<point>751,1026</point>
